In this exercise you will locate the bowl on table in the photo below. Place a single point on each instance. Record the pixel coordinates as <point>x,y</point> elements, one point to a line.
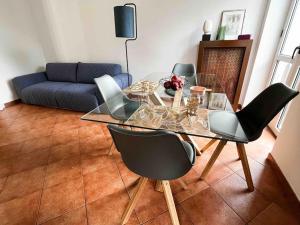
<point>197,90</point>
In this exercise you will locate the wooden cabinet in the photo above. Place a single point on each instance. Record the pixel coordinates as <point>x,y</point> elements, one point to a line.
<point>228,60</point>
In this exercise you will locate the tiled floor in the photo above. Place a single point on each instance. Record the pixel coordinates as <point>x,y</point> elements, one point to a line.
<point>54,170</point>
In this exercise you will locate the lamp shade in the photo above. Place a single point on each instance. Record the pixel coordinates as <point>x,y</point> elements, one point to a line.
<point>124,21</point>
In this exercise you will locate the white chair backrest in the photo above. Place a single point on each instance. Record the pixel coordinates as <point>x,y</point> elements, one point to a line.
<point>107,87</point>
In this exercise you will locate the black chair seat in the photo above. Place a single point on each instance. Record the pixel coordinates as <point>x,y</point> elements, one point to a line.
<point>247,125</point>
<point>226,124</point>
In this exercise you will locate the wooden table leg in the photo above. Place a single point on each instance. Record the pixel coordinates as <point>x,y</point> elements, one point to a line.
<point>213,158</point>
<point>190,139</point>
<point>246,168</point>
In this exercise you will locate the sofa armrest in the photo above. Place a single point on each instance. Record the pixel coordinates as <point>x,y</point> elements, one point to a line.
<point>122,79</point>
<point>24,81</point>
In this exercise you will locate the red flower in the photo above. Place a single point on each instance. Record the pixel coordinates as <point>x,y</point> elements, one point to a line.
<point>167,84</point>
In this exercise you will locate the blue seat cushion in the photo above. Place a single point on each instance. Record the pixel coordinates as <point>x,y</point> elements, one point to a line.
<point>122,80</point>
<point>79,97</point>
<point>43,93</point>
<point>67,95</point>
<point>86,72</point>
<point>65,72</point>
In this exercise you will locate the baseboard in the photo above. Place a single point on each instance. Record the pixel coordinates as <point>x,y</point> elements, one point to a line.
<point>12,103</point>
<point>2,106</point>
<point>289,193</point>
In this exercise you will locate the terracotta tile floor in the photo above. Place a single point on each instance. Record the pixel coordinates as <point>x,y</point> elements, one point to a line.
<point>54,170</point>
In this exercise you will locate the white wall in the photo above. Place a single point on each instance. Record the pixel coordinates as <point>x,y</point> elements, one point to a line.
<point>20,50</point>
<point>286,150</point>
<point>67,28</point>
<point>274,22</point>
<point>169,31</point>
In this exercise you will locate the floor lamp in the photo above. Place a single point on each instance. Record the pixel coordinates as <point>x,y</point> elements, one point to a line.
<point>124,25</point>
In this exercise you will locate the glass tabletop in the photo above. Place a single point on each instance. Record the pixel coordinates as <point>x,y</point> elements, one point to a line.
<point>146,104</point>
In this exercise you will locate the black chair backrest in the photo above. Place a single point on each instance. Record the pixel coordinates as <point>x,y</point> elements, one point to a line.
<point>184,69</point>
<point>157,155</point>
<point>262,109</point>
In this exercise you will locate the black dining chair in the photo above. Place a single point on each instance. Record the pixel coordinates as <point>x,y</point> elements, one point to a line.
<point>253,119</point>
<point>158,155</point>
<point>186,70</point>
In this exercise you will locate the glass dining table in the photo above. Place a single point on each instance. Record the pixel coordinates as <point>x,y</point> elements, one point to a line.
<point>147,105</point>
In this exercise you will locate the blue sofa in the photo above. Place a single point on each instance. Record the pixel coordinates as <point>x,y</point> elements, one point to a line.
<point>67,85</point>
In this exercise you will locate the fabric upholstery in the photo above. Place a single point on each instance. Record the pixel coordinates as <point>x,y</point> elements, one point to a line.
<point>66,95</point>
<point>43,93</point>
<point>78,97</point>
<point>65,72</point>
<point>122,80</point>
<point>88,71</point>
<point>58,87</point>
<point>24,81</point>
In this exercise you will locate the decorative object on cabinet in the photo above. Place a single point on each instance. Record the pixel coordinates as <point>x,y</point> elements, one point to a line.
<point>207,28</point>
<point>244,37</point>
<point>221,33</point>
<point>228,60</point>
<point>233,20</point>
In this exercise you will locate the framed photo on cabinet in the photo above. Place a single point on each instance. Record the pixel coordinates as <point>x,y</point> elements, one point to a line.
<point>233,22</point>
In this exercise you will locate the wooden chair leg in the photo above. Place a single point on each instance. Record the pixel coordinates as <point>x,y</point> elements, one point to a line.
<point>210,143</point>
<point>182,183</point>
<point>213,158</point>
<point>158,186</point>
<point>134,199</point>
<point>246,168</point>
<point>111,148</point>
<point>170,202</point>
<point>239,154</point>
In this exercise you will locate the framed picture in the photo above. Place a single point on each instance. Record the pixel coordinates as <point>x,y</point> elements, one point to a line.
<point>232,22</point>
<point>217,101</point>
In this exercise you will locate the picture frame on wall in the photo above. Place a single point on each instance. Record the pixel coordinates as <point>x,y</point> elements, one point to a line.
<point>232,21</point>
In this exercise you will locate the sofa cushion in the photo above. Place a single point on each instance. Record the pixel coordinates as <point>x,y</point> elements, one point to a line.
<point>65,72</point>
<point>43,93</point>
<point>122,80</point>
<point>78,97</point>
<point>86,72</point>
